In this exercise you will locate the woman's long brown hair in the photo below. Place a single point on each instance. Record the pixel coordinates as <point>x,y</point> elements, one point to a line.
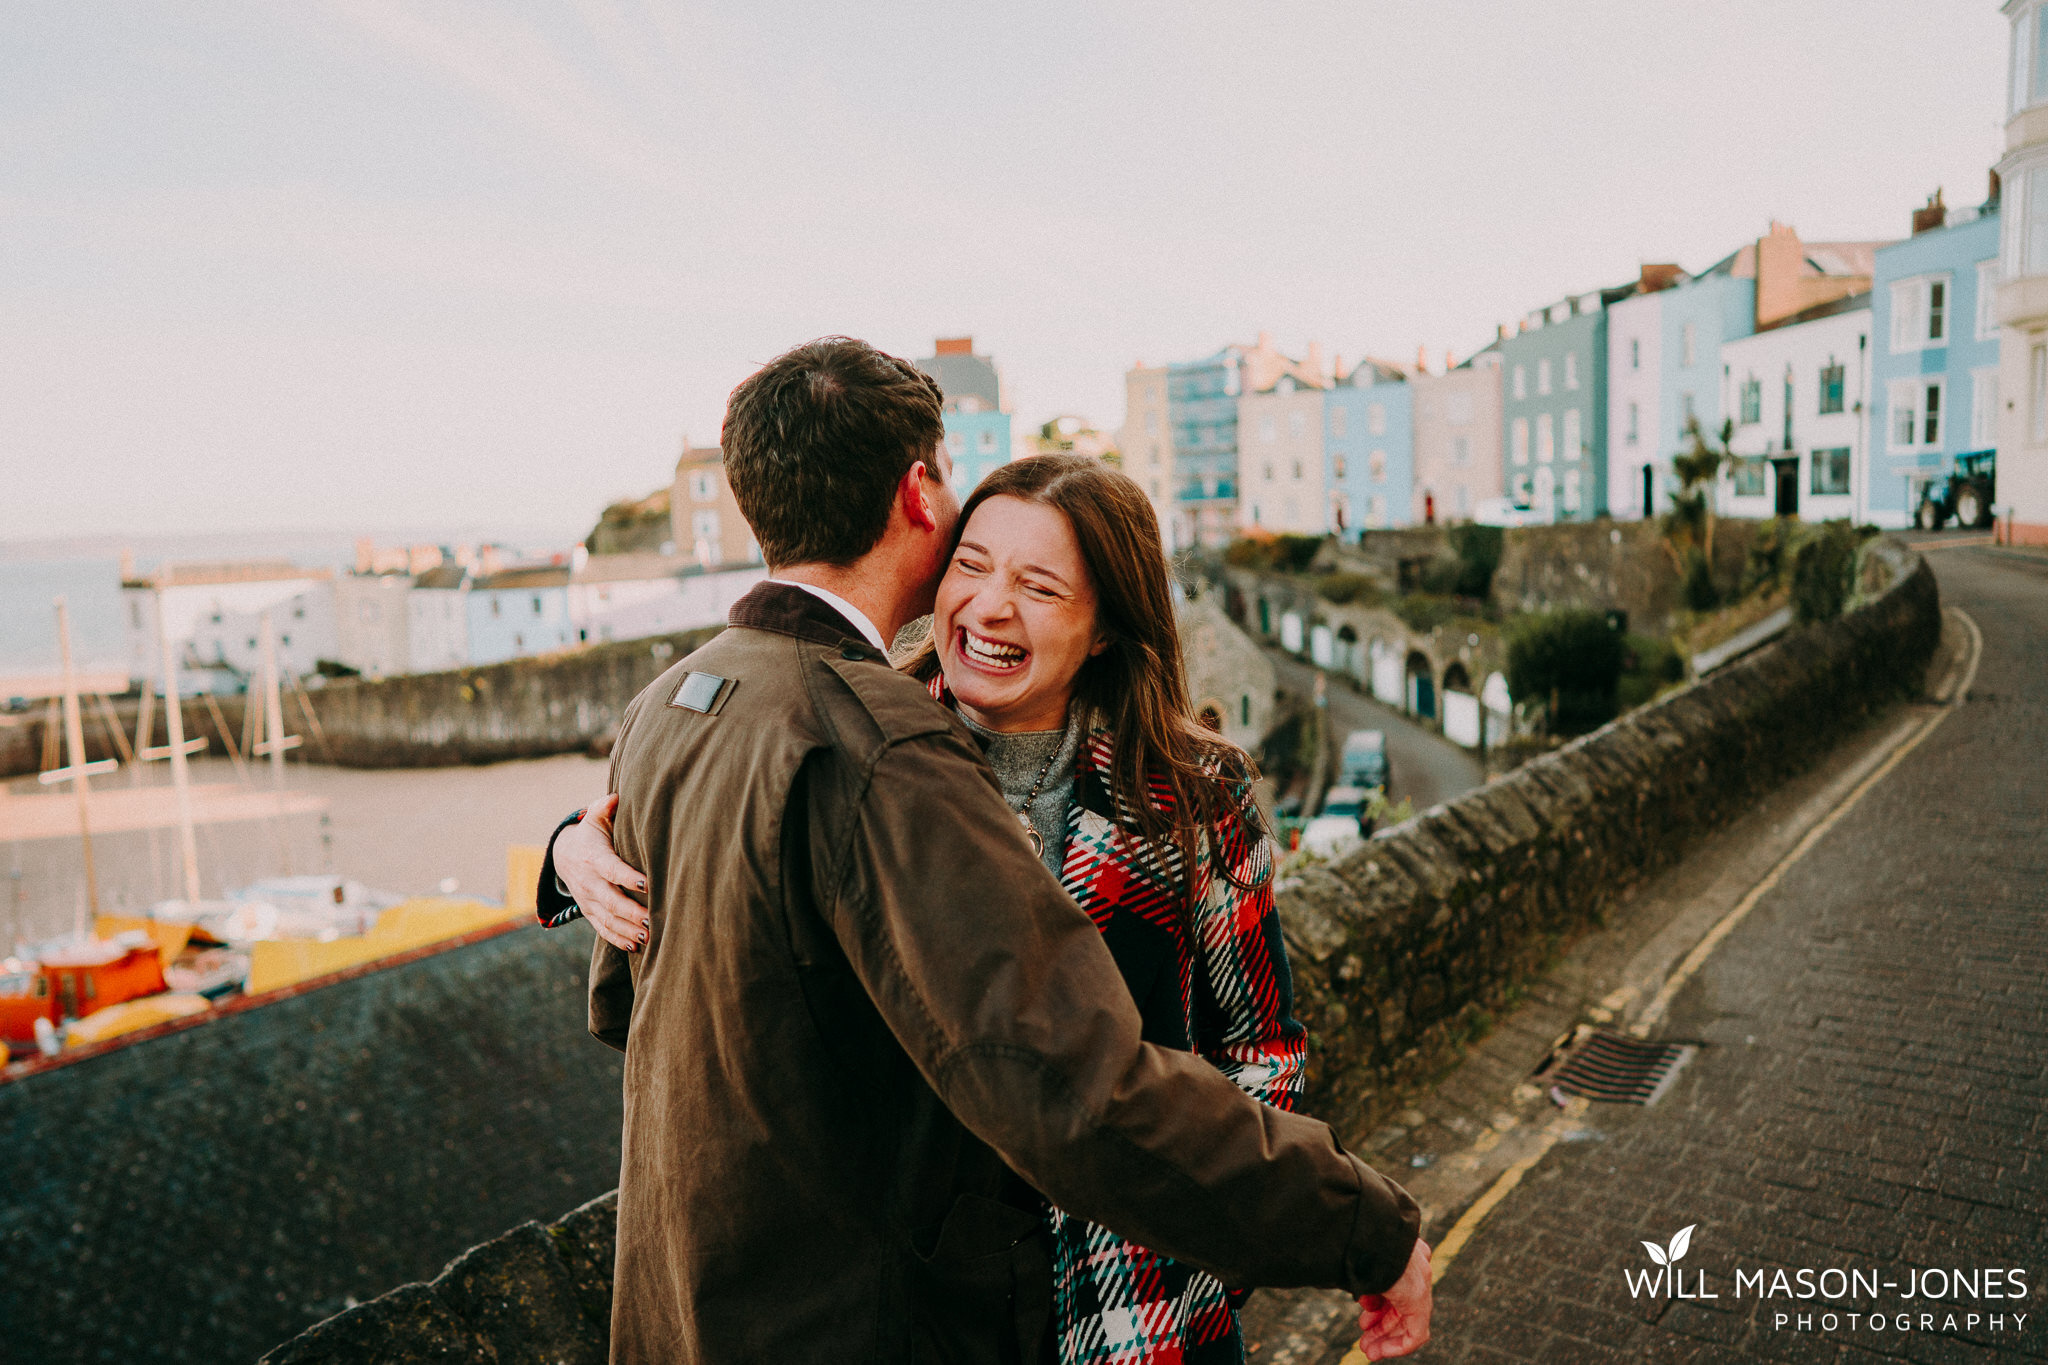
<point>1137,684</point>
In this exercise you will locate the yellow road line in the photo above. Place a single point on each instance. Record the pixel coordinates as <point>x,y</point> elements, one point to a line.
<point>1461,1232</point>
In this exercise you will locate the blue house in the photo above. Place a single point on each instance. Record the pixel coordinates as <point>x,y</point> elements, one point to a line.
<point>1934,356</point>
<point>977,427</point>
<point>1201,415</point>
<point>1554,408</point>
<point>1715,306</point>
<point>519,611</point>
<point>1369,449</point>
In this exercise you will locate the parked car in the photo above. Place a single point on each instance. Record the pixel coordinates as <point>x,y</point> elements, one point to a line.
<point>1363,762</point>
<point>1501,512</point>
<point>1341,827</point>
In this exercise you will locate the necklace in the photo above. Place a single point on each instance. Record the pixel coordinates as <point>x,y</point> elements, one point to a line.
<point>1024,811</point>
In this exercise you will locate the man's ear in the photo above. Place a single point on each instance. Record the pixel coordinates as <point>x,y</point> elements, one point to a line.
<point>914,492</point>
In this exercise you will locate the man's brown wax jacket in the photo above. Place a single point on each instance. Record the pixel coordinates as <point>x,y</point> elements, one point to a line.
<point>862,1004</point>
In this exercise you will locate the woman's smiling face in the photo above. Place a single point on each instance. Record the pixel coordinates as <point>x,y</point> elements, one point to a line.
<point>1015,616</point>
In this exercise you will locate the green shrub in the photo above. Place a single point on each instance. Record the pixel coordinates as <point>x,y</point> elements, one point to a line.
<point>1423,611</point>
<point>1769,554</point>
<point>1478,550</point>
<point>1571,660</point>
<point>1249,552</point>
<point>1649,664</point>
<point>1343,588</point>
<point>1293,554</point>
<point>1821,572</point>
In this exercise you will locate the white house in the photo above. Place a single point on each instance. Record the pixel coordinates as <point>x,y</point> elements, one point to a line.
<point>372,623</point>
<point>1797,394</point>
<point>1637,465</point>
<point>626,596</point>
<point>437,619</point>
<point>212,614</point>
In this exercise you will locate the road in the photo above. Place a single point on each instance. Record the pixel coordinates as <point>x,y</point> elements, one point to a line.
<point>1427,768</point>
<point>1872,1094</point>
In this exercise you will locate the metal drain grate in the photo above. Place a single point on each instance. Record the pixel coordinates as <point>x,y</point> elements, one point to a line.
<point>1622,1070</point>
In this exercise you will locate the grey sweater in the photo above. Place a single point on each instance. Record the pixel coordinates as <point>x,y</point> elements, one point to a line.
<point>1018,759</point>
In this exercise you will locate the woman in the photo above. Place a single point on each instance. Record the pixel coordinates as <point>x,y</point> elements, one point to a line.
<point>1053,638</point>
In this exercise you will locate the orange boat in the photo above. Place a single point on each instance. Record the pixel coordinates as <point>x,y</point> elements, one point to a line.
<point>73,981</point>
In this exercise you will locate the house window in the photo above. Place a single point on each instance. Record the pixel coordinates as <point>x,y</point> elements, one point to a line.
<point>1461,450</point>
<point>1686,415</point>
<point>1987,300</point>
<point>1297,469</point>
<point>1464,501</point>
<point>1518,440</point>
<point>1151,422</point>
<point>1376,510</point>
<point>1571,369</point>
<point>1521,382</point>
<point>1267,470</point>
<point>536,606</point>
<point>1376,419</point>
<point>1296,423</point>
<point>1635,418</point>
<point>1830,388</point>
<point>1376,466</point>
<point>1543,375</point>
<point>1546,439</point>
<point>1917,412</point>
<point>701,488</point>
<point>986,443</point>
<point>1830,476</point>
<point>956,444</point>
<point>1749,477</point>
<point>494,607</point>
<point>1267,431</point>
<point>1571,490</point>
<point>2026,235</point>
<point>1984,407</point>
<point>2037,395</point>
<point>1686,348</point>
<point>1752,401</point>
<point>1460,408</point>
<point>1339,469</point>
<point>1635,354</point>
<point>1337,421</point>
<point>1572,442</point>
<point>1920,313</point>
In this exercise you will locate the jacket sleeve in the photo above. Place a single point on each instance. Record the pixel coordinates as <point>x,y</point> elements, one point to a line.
<point>611,971</point>
<point>1251,1035</point>
<point>553,906</point>
<point>1006,998</point>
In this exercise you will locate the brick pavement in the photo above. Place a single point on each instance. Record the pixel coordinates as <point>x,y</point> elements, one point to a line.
<point>1874,1090</point>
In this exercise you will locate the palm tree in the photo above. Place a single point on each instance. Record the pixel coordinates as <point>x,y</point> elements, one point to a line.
<point>1689,525</point>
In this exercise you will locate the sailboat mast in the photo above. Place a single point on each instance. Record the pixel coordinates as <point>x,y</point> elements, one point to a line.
<point>74,741</point>
<point>181,781</point>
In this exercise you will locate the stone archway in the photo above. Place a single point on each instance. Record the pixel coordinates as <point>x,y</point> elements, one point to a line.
<point>1460,707</point>
<point>1348,658</point>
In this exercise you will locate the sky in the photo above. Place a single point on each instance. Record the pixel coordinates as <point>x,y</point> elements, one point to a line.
<point>361,264</point>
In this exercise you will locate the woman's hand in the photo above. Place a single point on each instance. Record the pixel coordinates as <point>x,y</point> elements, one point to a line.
<point>1396,1323</point>
<point>599,879</point>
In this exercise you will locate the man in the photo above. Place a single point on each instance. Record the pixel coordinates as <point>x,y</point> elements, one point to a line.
<point>857,1008</point>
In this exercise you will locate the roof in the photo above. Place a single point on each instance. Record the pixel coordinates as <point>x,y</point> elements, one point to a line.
<point>624,568</point>
<point>442,577</point>
<point>965,376</point>
<point>527,576</point>
<point>226,571</point>
<point>1848,303</point>
<point>1369,371</point>
<point>693,456</point>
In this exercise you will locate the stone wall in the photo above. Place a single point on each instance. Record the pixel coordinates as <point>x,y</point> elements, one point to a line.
<point>205,1194</point>
<point>1401,947</point>
<point>1608,564</point>
<point>523,708</point>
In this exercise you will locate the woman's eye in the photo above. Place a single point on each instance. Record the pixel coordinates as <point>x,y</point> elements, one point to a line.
<point>969,566</point>
<point>1040,590</point>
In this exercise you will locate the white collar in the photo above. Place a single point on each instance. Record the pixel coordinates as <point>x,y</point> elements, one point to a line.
<point>854,615</point>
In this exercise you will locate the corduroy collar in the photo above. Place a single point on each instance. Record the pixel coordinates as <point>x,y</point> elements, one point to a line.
<point>788,610</point>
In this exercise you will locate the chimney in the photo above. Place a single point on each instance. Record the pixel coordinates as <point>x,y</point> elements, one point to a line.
<point>1450,361</point>
<point>1336,367</point>
<point>1661,275</point>
<point>1421,360</point>
<point>1500,331</point>
<point>1265,341</point>
<point>953,346</point>
<point>1993,191</point>
<point>1315,358</point>
<point>1934,215</point>
<point>366,555</point>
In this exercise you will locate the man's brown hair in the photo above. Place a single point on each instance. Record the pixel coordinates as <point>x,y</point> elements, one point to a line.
<point>816,442</point>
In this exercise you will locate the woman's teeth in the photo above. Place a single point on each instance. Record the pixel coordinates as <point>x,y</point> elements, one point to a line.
<point>991,653</point>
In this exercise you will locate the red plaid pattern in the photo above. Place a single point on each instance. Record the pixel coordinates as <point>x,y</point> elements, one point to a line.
<point>1118,1303</point>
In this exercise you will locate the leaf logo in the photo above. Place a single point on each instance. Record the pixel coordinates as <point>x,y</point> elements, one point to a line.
<point>1679,1242</point>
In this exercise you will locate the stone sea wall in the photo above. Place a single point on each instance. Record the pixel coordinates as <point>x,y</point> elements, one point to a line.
<point>1397,950</point>
<point>202,1195</point>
